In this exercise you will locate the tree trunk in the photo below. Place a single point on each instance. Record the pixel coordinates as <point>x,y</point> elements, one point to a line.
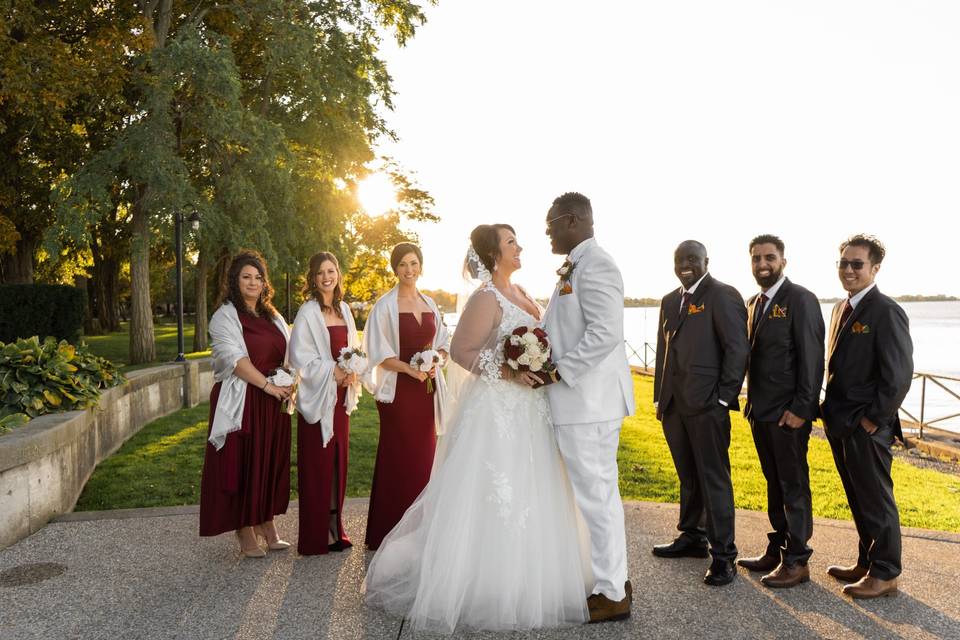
<point>142,344</point>
<point>17,267</point>
<point>90,325</point>
<point>108,294</point>
<point>200,302</point>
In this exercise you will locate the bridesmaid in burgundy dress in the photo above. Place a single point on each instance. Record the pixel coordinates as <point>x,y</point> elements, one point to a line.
<point>326,396</point>
<point>401,323</point>
<point>246,468</point>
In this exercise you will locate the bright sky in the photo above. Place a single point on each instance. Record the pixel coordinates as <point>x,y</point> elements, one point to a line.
<point>701,119</point>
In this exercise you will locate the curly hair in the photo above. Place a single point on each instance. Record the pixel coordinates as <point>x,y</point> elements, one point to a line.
<point>230,285</point>
<point>768,238</point>
<point>870,243</point>
<point>485,240</point>
<point>310,289</point>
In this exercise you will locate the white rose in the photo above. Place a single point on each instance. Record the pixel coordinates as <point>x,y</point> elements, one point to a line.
<point>513,364</point>
<point>514,340</point>
<point>536,365</point>
<point>524,359</point>
<point>530,338</point>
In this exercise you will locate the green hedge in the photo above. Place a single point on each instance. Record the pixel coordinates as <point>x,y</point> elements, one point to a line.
<point>41,310</point>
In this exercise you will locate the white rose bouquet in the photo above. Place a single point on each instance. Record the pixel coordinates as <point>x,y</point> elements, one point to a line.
<point>281,377</point>
<point>353,360</point>
<point>425,361</point>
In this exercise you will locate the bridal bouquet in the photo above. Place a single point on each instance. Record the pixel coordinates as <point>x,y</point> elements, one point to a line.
<point>281,377</point>
<point>425,361</point>
<point>527,349</point>
<point>353,360</point>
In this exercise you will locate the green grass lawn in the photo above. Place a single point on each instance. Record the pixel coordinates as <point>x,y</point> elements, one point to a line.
<point>116,346</point>
<point>160,466</point>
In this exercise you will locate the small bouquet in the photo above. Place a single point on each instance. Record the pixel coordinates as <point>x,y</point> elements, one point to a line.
<point>353,360</point>
<point>282,377</point>
<point>527,349</point>
<point>425,361</point>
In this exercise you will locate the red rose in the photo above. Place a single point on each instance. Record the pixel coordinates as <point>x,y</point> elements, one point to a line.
<point>513,351</point>
<point>540,333</point>
<point>519,331</point>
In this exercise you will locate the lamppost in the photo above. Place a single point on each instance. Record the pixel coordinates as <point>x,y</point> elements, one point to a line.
<point>178,233</point>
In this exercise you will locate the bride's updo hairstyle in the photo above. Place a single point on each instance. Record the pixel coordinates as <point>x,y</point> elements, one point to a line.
<point>485,240</point>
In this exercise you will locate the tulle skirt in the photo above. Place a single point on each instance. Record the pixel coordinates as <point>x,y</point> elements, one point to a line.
<point>494,541</point>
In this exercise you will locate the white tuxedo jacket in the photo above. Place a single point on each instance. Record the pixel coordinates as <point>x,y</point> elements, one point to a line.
<point>585,328</point>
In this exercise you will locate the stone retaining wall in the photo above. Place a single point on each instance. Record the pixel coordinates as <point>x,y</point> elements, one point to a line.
<point>44,464</point>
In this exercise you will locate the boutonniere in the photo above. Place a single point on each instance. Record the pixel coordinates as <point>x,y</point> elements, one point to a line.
<point>566,272</point>
<point>694,309</point>
<point>860,328</point>
<point>778,312</point>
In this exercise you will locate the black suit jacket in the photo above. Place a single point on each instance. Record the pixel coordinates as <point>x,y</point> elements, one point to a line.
<point>869,366</point>
<point>701,355</point>
<point>785,370</point>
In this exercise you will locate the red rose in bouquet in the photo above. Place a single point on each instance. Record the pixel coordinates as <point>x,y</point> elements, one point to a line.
<point>527,349</point>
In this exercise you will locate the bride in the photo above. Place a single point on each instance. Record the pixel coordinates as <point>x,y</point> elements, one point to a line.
<point>494,541</point>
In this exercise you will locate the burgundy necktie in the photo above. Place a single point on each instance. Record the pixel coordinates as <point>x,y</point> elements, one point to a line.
<point>684,303</point>
<point>845,314</point>
<point>758,312</point>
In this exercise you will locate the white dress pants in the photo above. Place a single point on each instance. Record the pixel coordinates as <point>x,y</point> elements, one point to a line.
<point>590,453</point>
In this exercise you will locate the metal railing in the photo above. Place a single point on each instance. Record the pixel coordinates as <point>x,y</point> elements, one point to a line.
<point>937,380</point>
<point>648,356</point>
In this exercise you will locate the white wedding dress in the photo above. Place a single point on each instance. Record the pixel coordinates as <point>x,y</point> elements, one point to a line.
<point>494,541</point>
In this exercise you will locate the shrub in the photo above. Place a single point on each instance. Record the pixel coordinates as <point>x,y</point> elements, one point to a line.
<point>44,377</point>
<point>41,310</point>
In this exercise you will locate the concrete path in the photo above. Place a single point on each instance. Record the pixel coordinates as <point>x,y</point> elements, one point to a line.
<point>146,574</point>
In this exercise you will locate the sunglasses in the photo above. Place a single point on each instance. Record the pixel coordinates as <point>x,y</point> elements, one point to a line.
<point>856,265</point>
<point>560,217</point>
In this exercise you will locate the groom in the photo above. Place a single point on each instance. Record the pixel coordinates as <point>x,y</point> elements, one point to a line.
<point>591,391</point>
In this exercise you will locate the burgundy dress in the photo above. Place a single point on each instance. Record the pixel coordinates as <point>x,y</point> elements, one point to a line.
<point>322,471</point>
<point>247,481</point>
<point>407,437</point>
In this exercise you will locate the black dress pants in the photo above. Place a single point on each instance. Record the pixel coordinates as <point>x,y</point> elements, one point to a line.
<point>699,446</point>
<point>783,459</point>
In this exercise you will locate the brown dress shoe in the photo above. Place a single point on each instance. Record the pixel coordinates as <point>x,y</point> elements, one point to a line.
<point>603,609</point>
<point>764,563</point>
<point>847,574</point>
<point>786,576</point>
<point>628,587</point>
<point>870,587</point>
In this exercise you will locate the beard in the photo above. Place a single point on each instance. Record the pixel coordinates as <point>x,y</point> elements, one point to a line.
<point>770,280</point>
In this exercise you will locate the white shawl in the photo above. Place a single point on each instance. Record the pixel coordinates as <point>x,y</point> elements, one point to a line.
<point>381,340</point>
<point>310,355</point>
<point>228,347</point>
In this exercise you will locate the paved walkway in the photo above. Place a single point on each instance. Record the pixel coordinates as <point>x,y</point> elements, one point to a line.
<point>146,574</point>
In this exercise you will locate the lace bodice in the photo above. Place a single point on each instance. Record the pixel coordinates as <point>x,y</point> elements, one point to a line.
<point>512,317</point>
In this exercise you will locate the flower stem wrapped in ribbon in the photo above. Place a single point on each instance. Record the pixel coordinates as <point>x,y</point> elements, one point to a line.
<point>425,361</point>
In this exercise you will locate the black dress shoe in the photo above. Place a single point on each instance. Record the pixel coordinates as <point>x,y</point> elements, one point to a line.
<point>339,545</point>
<point>721,572</point>
<point>681,548</point>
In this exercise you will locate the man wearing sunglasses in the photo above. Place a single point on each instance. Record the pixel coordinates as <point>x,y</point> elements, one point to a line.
<point>869,369</point>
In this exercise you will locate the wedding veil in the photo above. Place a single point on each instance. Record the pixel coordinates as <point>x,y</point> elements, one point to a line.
<point>475,352</point>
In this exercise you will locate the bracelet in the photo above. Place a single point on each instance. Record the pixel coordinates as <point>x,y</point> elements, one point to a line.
<point>264,387</point>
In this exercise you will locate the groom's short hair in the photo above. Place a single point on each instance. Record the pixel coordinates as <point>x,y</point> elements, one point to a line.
<point>575,203</point>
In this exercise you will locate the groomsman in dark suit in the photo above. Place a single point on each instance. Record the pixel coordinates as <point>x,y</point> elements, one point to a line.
<point>702,354</point>
<point>869,369</point>
<point>785,371</point>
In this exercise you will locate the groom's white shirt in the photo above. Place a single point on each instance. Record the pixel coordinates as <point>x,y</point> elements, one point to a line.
<point>585,328</point>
